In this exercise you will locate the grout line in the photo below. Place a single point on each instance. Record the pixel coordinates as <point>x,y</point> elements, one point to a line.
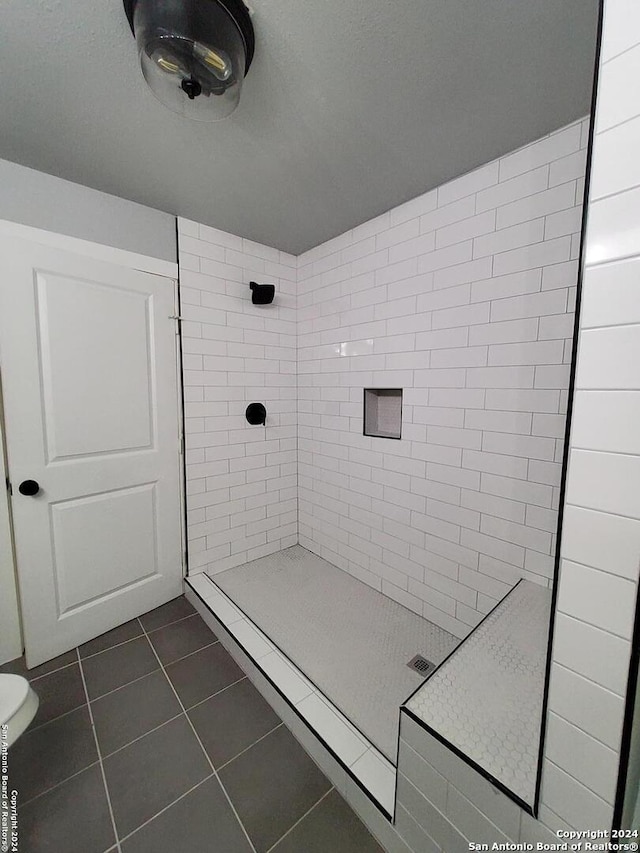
<point>630,256</point>
<point>586,677</point>
<point>160,627</point>
<point>300,819</point>
<point>142,633</point>
<point>114,646</point>
<point>190,654</point>
<point>217,693</point>
<point>174,717</point>
<point>177,800</point>
<point>581,782</point>
<point>559,821</point>
<point>247,748</point>
<point>605,572</point>
<point>580,728</point>
<point>45,674</point>
<point>584,620</point>
<point>122,686</point>
<point>614,193</point>
<point>603,511</point>
<point>95,737</point>
<point>206,754</point>
<point>136,739</point>
<point>107,755</point>
<point>621,53</point>
<point>59,717</point>
<point>140,677</point>
<point>58,784</point>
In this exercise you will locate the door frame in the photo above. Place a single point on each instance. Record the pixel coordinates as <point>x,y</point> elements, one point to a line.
<point>11,637</point>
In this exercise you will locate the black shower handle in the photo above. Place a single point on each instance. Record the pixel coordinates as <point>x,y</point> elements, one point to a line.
<point>256,414</point>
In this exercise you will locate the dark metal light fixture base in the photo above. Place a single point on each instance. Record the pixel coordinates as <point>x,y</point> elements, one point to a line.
<point>234,8</point>
<point>194,54</point>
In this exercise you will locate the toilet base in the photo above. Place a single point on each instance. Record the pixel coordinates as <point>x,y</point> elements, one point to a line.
<point>18,706</point>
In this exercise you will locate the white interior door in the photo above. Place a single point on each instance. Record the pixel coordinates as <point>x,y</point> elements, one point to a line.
<point>90,390</point>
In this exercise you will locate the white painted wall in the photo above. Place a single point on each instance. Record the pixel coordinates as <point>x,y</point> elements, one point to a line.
<point>241,479</point>
<point>464,298</point>
<point>43,201</point>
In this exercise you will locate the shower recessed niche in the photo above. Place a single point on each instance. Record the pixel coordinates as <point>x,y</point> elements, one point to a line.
<point>383,412</point>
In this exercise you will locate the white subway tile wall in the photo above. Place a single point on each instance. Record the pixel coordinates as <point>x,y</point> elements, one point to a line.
<point>241,479</point>
<point>600,549</point>
<point>452,803</point>
<point>463,298</point>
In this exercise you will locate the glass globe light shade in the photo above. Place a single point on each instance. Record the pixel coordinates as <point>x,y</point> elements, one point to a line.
<point>194,54</point>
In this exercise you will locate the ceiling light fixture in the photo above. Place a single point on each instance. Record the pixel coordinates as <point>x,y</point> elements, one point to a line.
<point>194,54</point>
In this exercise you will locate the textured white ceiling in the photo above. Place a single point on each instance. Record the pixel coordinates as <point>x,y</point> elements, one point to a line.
<point>350,106</point>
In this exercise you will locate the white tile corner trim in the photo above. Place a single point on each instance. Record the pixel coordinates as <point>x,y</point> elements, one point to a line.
<point>353,750</point>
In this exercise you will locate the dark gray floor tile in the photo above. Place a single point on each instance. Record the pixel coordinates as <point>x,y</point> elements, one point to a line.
<point>232,721</point>
<point>132,711</point>
<point>58,693</point>
<point>112,638</point>
<point>47,755</point>
<point>272,785</point>
<point>19,665</point>
<point>181,638</point>
<point>118,666</point>
<point>167,613</point>
<point>204,673</point>
<point>74,817</point>
<point>330,826</point>
<point>151,773</point>
<point>200,822</point>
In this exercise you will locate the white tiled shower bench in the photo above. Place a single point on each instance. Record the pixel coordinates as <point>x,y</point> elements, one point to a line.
<point>479,715</point>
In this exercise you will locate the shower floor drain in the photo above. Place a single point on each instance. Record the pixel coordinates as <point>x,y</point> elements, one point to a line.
<point>421,665</point>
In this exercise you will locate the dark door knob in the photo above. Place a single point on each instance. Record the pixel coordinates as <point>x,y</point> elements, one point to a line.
<point>29,488</point>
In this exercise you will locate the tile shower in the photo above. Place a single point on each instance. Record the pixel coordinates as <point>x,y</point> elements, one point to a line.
<point>403,495</point>
<point>457,308</point>
<point>463,298</point>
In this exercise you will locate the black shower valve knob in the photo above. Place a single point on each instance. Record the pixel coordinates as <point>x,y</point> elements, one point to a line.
<point>256,414</point>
